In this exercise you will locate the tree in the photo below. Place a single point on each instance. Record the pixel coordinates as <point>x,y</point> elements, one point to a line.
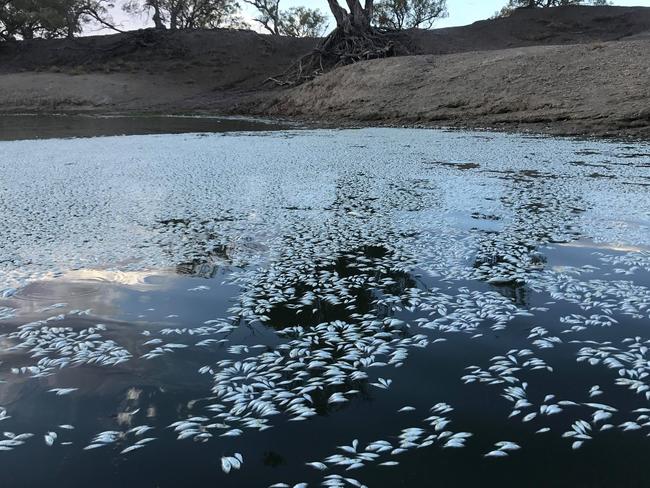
<point>295,22</point>
<point>409,14</point>
<point>138,7</point>
<point>268,14</point>
<point>209,14</point>
<point>16,19</point>
<point>513,4</point>
<point>188,14</point>
<point>355,21</point>
<point>77,13</point>
<point>302,22</point>
<point>26,19</point>
<point>354,39</point>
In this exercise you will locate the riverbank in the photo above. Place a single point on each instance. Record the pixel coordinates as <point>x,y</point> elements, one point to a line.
<point>596,89</point>
<point>565,71</point>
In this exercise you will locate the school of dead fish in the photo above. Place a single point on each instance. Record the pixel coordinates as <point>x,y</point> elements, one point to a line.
<point>336,270</point>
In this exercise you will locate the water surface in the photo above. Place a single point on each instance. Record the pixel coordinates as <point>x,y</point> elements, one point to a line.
<point>22,126</point>
<point>387,304</point>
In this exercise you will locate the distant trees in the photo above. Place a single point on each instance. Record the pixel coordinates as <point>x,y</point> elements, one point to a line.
<point>554,3</point>
<point>188,14</point>
<point>26,19</point>
<point>198,14</point>
<point>408,14</point>
<point>513,4</point>
<point>295,22</point>
<point>15,20</point>
<point>303,22</point>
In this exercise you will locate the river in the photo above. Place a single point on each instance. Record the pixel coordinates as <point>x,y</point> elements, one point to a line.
<point>272,306</point>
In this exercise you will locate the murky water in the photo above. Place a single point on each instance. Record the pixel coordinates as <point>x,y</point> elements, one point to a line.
<point>16,127</point>
<point>394,307</point>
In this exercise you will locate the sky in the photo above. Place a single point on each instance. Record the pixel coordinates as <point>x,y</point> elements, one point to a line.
<point>461,12</point>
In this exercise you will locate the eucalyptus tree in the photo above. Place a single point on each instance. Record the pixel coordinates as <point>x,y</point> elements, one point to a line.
<point>302,22</point>
<point>77,13</point>
<point>268,14</point>
<point>188,14</point>
<point>18,19</point>
<point>294,22</point>
<point>355,38</point>
<point>26,19</point>
<point>513,4</point>
<point>409,14</point>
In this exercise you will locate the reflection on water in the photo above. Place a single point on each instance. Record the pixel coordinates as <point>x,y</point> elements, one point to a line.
<point>330,308</point>
<point>16,127</point>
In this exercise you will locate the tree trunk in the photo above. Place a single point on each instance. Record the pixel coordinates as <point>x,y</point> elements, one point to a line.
<point>353,40</point>
<point>176,8</point>
<point>356,18</point>
<point>71,25</point>
<point>157,18</point>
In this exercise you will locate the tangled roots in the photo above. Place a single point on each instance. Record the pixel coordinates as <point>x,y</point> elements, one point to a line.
<point>340,49</point>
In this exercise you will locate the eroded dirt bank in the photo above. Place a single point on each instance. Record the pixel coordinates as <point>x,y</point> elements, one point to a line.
<point>580,70</point>
<point>599,89</point>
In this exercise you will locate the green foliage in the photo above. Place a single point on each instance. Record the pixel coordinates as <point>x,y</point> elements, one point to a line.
<point>294,22</point>
<point>188,14</point>
<point>302,22</point>
<point>26,19</point>
<point>409,14</point>
<point>513,4</point>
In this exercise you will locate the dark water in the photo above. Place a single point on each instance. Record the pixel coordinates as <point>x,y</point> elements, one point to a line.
<point>421,264</point>
<point>162,390</point>
<point>16,127</point>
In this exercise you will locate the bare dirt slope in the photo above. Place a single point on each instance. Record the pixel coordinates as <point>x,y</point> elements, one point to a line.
<point>141,71</point>
<point>599,89</point>
<point>538,27</point>
<point>581,70</point>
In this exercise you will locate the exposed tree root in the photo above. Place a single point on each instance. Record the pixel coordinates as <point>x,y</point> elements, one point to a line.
<point>339,49</point>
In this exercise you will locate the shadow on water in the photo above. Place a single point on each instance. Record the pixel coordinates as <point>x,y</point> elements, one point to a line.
<point>158,392</point>
<point>354,266</point>
<point>18,127</point>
